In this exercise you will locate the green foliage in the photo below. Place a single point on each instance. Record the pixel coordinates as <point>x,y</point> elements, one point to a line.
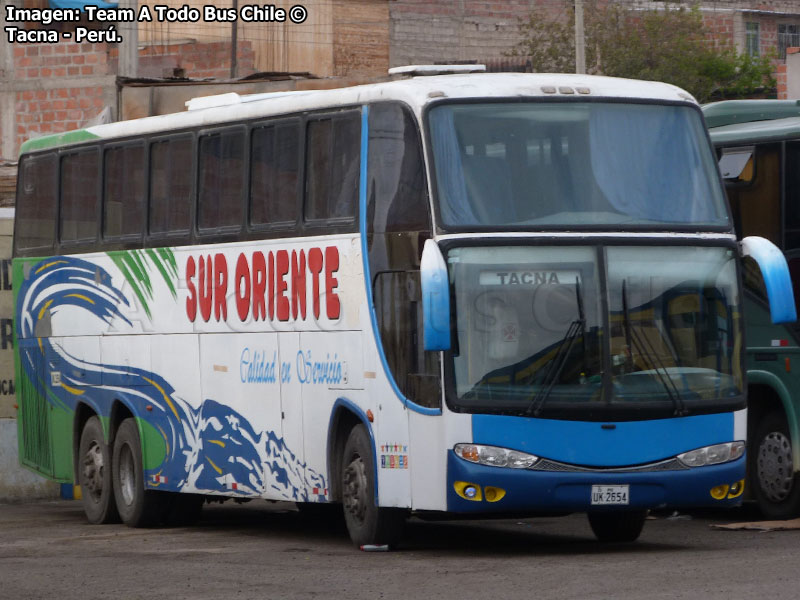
<point>668,44</point>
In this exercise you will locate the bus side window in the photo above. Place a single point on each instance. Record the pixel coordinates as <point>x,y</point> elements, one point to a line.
<point>791,171</point>
<point>332,168</point>
<point>80,177</point>
<point>37,206</point>
<point>398,221</point>
<point>756,204</point>
<point>171,185</point>
<point>221,179</point>
<point>274,167</point>
<point>123,199</point>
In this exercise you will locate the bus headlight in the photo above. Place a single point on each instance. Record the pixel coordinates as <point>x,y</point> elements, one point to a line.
<point>495,456</point>
<point>712,455</point>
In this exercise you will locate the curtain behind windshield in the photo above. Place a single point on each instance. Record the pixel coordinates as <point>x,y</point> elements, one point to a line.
<point>537,165</point>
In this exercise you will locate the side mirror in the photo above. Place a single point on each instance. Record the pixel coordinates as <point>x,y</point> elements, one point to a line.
<point>775,273</point>
<point>435,298</point>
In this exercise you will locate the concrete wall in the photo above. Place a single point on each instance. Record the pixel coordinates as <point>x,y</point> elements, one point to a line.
<point>793,74</point>
<point>16,483</point>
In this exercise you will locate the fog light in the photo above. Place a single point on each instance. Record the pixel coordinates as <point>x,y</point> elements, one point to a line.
<point>719,492</point>
<point>468,491</point>
<point>736,489</point>
<point>493,494</point>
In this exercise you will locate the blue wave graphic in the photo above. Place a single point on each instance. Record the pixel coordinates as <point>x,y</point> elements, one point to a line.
<point>210,449</point>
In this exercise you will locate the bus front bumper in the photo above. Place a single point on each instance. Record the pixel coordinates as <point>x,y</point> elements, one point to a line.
<point>499,489</point>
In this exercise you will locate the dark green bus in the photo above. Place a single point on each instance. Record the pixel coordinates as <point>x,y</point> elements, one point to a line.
<point>758,146</point>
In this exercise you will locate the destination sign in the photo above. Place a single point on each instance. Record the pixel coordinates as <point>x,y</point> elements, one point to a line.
<point>517,277</point>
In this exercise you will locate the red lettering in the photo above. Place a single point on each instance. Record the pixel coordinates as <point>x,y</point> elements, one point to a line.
<point>259,286</point>
<point>204,282</point>
<point>332,305</point>
<point>271,286</point>
<point>191,301</point>
<point>220,287</point>
<point>298,284</point>
<point>315,266</point>
<point>242,287</point>
<point>282,269</point>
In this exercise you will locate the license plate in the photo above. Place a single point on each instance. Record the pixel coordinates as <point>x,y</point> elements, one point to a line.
<point>610,494</point>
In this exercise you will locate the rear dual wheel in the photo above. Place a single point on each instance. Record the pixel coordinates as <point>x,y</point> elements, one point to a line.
<point>112,482</point>
<point>94,475</point>
<point>138,507</point>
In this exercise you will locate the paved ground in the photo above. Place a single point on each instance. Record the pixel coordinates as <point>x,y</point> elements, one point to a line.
<point>257,550</point>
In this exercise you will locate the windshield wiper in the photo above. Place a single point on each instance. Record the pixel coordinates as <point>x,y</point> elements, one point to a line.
<point>645,348</point>
<point>556,366</point>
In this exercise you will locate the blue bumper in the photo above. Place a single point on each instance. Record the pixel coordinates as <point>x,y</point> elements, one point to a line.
<point>541,491</point>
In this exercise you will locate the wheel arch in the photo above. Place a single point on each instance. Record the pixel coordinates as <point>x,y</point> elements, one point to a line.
<point>345,415</point>
<point>766,392</point>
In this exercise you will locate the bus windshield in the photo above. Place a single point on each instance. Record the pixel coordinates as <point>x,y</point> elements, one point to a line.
<point>593,333</point>
<point>538,165</point>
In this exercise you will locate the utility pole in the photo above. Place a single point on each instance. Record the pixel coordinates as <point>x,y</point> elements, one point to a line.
<point>234,39</point>
<point>129,46</point>
<point>580,40</point>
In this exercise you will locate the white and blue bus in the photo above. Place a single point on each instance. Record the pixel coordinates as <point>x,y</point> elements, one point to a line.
<point>472,294</point>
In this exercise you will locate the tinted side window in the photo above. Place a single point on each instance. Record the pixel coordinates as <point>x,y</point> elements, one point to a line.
<point>221,179</point>
<point>791,170</point>
<point>37,204</point>
<point>124,195</point>
<point>332,167</point>
<point>396,188</point>
<point>274,166</point>
<point>170,185</point>
<point>80,175</point>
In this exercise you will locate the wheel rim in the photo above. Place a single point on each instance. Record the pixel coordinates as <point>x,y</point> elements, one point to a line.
<point>93,468</point>
<point>775,471</point>
<point>355,489</point>
<point>127,478</point>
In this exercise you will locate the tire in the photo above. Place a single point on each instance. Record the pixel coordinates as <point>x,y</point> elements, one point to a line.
<point>137,506</point>
<point>776,488</point>
<point>94,475</point>
<point>617,526</point>
<point>366,523</point>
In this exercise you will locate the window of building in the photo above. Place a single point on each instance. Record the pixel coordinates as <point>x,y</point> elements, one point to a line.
<point>788,37</point>
<point>752,39</point>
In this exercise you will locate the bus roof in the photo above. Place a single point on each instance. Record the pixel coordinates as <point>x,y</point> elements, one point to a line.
<point>414,91</point>
<point>729,112</point>
<point>756,131</point>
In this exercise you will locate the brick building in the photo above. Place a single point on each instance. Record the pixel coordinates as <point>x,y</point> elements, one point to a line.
<point>484,30</point>
<point>47,88</point>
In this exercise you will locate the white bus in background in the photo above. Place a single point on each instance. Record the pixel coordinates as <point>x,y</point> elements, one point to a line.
<point>466,293</point>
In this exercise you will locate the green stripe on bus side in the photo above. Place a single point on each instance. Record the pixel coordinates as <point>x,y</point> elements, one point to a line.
<point>58,139</point>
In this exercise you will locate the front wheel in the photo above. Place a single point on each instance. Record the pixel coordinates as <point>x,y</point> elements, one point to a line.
<point>94,475</point>
<point>617,526</point>
<point>137,506</point>
<point>776,487</point>
<point>367,523</point>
